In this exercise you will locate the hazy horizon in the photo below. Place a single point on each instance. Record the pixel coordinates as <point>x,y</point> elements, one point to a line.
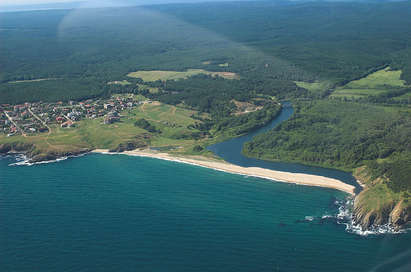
<point>22,3</point>
<point>33,2</point>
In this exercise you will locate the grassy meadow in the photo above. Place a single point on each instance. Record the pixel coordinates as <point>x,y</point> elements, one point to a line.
<point>377,83</point>
<point>172,121</point>
<point>151,76</point>
<point>317,87</point>
<point>149,88</point>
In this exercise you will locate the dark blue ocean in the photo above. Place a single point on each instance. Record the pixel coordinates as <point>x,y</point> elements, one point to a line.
<point>121,213</point>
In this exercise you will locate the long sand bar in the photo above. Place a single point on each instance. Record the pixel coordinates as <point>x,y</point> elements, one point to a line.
<point>296,178</point>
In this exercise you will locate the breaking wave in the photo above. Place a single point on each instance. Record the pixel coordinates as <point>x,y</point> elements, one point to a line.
<point>22,160</point>
<point>345,217</point>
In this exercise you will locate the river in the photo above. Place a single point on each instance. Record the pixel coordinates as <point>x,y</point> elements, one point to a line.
<point>231,151</point>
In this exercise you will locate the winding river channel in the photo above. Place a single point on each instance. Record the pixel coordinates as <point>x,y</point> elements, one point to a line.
<point>231,151</point>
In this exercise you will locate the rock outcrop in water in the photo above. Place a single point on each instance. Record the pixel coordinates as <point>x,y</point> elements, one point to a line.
<point>54,155</point>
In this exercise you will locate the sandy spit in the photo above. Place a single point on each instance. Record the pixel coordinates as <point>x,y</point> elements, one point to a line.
<point>296,178</point>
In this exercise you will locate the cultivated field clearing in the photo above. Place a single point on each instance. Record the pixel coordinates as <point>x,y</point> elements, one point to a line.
<point>162,113</point>
<point>149,88</point>
<point>380,79</point>
<point>377,83</point>
<point>343,92</point>
<point>150,76</point>
<point>314,87</point>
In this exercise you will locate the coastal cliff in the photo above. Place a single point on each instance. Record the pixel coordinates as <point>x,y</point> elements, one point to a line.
<point>16,147</point>
<point>378,205</point>
<point>34,155</point>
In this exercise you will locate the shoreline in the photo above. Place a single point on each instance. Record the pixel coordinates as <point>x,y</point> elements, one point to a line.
<point>279,176</point>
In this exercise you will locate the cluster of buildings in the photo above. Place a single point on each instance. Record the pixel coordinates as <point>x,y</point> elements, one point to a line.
<point>29,118</point>
<point>19,119</point>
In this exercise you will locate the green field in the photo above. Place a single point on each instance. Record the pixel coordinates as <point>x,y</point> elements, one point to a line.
<point>356,93</point>
<point>377,83</point>
<point>314,87</point>
<point>381,79</point>
<point>151,76</point>
<point>172,121</point>
<point>162,113</point>
<point>149,88</point>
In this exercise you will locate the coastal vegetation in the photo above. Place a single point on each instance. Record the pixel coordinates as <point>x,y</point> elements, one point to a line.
<point>210,71</point>
<point>350,136</point>
<point>151,124</point>
<point>336,134</point>
<point>144,124</point>
<point>91,134</point>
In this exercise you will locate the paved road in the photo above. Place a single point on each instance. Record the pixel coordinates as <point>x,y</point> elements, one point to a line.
<point>41,121</point>
<point>14,123</point>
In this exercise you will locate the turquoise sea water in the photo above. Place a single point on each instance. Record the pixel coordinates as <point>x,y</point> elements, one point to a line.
<point>120,213</point>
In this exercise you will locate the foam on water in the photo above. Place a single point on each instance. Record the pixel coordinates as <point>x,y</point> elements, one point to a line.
<point>22,160</point>
<point>345,217</point>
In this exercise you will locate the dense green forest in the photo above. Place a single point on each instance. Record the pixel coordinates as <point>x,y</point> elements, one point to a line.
<point>216,93</point>
<point>337,134</point>
<point>331,40</point>
<point>259,40</point>
<point>349,136</point>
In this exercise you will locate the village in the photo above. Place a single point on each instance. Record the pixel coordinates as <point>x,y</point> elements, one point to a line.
<point>37,117</point>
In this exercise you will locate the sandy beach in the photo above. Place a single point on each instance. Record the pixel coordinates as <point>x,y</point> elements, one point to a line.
<point>296,178</point>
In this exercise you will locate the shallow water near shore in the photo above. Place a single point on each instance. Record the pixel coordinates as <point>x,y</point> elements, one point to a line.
<point>122,213</point>
<point>126,213</point>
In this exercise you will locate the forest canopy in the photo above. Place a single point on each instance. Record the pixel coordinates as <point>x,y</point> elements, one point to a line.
<point>260,41</point>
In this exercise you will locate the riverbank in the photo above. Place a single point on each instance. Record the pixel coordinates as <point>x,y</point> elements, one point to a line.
<point>296,178</point>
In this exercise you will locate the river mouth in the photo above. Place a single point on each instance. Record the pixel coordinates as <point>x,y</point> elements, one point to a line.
<point>231,152</point>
